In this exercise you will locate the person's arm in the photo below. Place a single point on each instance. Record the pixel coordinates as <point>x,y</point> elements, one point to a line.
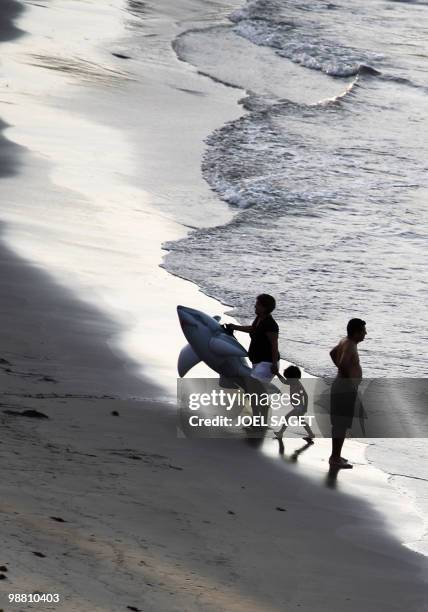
<point>282,379</point>
<point>241,328</point>
<point>333,354</point>
<point>304,397</point>
<point>273,338</point>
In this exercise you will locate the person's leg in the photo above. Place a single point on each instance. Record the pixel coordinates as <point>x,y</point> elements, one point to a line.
<point>342,421</point>
<point>341,414</point>
<point>336,444</point>
<point>337,439</point>
<point>338,435</point>
<point>256,390</point>
<point>261,374</point>
<point>278,434</point>
<point>309,431</point>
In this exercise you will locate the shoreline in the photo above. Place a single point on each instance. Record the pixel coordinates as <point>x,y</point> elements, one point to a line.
<point>114,455</point>
<point>77,237</point>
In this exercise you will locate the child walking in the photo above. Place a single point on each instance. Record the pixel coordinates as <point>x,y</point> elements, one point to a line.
<point>292,376</point>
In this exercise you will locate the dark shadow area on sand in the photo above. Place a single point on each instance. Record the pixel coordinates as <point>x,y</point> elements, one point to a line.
<point>9,11</point>
<point>9,154</point>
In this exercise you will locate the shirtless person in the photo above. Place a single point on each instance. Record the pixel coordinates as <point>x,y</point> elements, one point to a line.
<point>345,388</point>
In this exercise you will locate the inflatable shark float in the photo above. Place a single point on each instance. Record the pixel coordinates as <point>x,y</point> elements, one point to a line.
<point>208,341</point>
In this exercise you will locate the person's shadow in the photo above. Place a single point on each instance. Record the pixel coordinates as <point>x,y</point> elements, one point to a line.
<point>293,458</point>
<point>255,436</point>
<point>331,478</point>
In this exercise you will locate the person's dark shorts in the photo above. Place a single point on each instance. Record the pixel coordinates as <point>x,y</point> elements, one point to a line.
<point>342,405</point>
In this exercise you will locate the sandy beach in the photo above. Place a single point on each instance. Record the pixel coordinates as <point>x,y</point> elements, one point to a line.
<point>102,501</point>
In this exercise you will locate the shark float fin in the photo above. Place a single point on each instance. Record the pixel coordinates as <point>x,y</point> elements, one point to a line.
<point>186,360</point>
<point>227,348</point>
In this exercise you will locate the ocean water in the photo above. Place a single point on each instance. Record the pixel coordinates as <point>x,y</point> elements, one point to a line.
<point>326,171</point>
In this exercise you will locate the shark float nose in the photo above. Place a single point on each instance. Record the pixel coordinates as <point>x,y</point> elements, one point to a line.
<point>181,311</point>
<point>184,316</point>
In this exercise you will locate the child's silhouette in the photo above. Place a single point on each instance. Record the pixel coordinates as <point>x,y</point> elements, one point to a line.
<point>292,376</point>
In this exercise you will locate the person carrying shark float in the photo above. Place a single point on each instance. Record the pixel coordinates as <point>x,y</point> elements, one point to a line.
<point>215,345</point>
<point>263,350</point>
